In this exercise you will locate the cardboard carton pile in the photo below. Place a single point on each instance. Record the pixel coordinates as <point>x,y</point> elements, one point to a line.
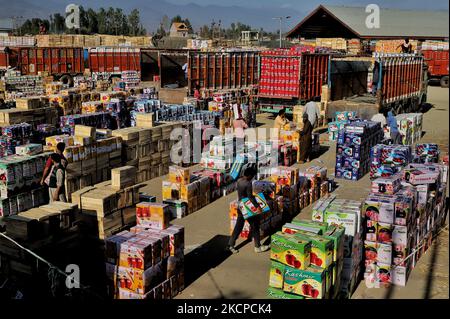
<point>147,262</point>
<point>12,136</point>
<point>388,160</point>
<point>339,122</point>
<point>333,43</point>
<point>49,231</point>
<point>345,213</point>
<point>409,126</point>
<point>353,148</point>
<point>148,149</point>
<point>34,117</point>
<point>90,160</point>
<point>426,153</point>
<point>392,46</point>
<point>185,193</point>
<point>306,261</point>
<point>19,183</point>
<point>108,208</point>
<point>17,85</point>
<point>402,214</point>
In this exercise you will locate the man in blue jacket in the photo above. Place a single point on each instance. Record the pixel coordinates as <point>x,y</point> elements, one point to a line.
<point>396,137</point>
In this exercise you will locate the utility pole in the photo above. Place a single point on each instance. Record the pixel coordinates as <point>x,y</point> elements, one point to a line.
<point>281,32</point>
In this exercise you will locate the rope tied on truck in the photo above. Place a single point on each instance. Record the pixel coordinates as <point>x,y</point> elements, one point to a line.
<point>53,272</point>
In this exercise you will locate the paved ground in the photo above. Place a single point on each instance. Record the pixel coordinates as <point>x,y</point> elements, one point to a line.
<point>213,273</point>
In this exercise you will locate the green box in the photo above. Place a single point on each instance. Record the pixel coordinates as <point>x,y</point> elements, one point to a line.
<point>337,235</point>
<point>276,276</point>
<point>321,249</point>
<point>280,294</point>
<point>310,283</point>
<point>309,224</point>
<point>290,250</point>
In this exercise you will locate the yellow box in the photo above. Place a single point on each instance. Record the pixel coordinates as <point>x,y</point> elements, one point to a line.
<point>179,175</point>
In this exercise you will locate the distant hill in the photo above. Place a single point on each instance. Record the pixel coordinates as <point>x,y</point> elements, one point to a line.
<point>153,10</point>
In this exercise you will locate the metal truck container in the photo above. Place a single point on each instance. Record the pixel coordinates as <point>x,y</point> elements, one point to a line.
<point>55,61</point>
<point>288,74</point>
<point>223,70</point>
<point>437,61</point>
<point>111,61</point>
<point>369,85</point>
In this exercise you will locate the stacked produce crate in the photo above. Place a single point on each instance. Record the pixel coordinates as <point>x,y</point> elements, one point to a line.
<point>353,148</point>
<point>185,193</point>
<point>333,43</point>
<point>12,136</point>
<point>402,214</point>
<point>346,213</point>
<point>388,160</point>
<point>49,231</point>
<point>19,183</point>
<point>307,260</point>
<point>148,149</point>
<point>89,159</point>
<point>14,41</point>
<point>108,207</point>
<point>148,261</point>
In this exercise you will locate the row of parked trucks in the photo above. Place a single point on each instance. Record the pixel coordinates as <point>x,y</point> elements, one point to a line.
<point>363,84</point>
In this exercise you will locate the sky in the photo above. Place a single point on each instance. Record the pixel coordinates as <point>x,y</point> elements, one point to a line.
<point>302,4</point>
<point>257,13</point>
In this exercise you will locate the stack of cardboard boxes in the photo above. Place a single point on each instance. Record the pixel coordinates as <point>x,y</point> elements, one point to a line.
<point>307,259</point>
<point>185,193</point>
<point>108,207</point>
<point>147,262</point>
<point>149,149</point>
<point>89,160</point>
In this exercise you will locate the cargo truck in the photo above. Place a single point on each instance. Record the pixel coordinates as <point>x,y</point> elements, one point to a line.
<point>289,78</point>
<point>65,63</point>
<point>223,70</point>
<point>369,85</point>
<point>437,61</point>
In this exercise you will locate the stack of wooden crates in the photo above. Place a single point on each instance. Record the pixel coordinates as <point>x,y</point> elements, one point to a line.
<point>109,207</point>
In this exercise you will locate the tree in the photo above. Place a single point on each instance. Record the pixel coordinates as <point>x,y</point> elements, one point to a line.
<point>102,21</point>
<point>133,22</point>
<point>92,21</point>
<point>176,19</point>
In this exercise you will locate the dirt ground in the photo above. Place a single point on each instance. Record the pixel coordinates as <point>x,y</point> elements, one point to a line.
<point>211,272</point>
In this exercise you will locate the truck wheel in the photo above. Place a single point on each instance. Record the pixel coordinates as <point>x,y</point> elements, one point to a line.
<point>66,79</point>
<point>444,81</point>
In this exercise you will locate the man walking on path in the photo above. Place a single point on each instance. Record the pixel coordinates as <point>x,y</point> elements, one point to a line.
<point>245,190</point>
<point>56,184</point>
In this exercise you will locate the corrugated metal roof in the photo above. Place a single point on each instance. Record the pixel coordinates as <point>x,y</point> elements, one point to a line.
<point>6,24</point>
<point>394,22</point>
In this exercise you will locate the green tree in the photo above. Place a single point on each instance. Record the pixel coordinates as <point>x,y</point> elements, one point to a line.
<point>134,22</point>
<point>92,21</point>
<point>102,21</point>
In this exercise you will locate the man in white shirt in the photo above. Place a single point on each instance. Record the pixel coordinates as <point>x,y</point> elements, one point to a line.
<point>313,112</point>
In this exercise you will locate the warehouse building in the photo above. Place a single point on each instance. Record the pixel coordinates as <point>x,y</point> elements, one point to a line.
<point>6,26</point>
<point>350,22</point>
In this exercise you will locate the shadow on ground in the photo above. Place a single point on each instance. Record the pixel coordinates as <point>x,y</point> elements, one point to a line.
<point>208,256</point>
<point>426,107</point>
